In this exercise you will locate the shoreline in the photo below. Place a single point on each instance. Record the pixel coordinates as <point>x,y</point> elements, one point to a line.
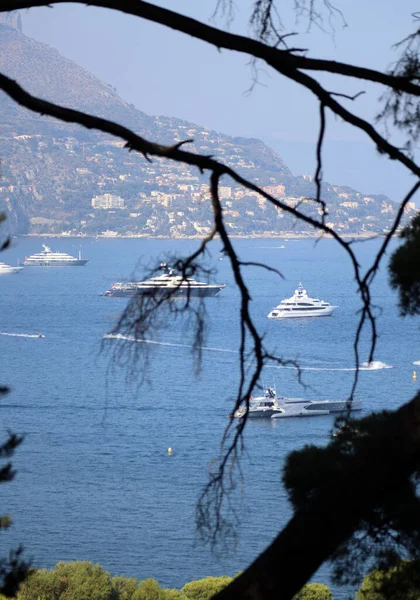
<point>285,236</point>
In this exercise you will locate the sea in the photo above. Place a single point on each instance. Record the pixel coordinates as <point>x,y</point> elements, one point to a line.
<point>94,480</point>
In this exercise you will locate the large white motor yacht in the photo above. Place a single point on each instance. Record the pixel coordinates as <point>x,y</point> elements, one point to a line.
<point>301,305</point>
<point>47,258</point>
<point>168,282</point>
<point>5,269</point>
<point>277,407</point>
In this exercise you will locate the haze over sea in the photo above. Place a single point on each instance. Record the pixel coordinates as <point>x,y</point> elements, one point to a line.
<point>94,480</point>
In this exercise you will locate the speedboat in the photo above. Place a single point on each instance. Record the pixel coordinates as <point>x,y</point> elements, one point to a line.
<point>282,407</point>
<point>5,269</point>
<point>263,407</point>
<point>47,258</point>
<point>301,305</point>
<point>169,283</point>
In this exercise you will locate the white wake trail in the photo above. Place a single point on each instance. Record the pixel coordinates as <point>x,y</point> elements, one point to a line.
<point>375,365</point>
<point>129,338</point>
<point>25,335</point>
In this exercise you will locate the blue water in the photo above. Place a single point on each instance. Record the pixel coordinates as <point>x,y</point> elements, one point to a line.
<point>94,480</point>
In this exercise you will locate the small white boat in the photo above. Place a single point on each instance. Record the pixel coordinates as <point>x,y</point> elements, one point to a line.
<point>5,269</point>
<point>278,407</point>
<point>301,305</point>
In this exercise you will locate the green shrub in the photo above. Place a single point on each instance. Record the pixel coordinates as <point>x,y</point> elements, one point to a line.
<point>401,582</point>
<point>314,591</point>
<point>149,589</point>
<point>204,589</point>
<point>74,581</point>
<point>124,587</point>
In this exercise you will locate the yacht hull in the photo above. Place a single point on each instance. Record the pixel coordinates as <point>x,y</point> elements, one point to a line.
<point>304,314</point>
<point>313,408</point>
<point>7,270</point>
<point>170,284</point>
<point>55,263</point>
<point>175,293</point>
<point>260,414</point>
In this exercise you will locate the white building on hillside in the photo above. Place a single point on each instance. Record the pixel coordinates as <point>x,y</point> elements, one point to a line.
<point>107,201</point>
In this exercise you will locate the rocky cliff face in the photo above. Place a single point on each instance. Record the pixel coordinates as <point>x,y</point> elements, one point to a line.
<point>11,19</point>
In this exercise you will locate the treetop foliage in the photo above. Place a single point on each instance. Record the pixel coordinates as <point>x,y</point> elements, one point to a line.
<point>386,524</point>
<point>204,589</point>
<point>404,269</point>
<point>80,580</point>
<point>401,582</point>
<point>314,591</point>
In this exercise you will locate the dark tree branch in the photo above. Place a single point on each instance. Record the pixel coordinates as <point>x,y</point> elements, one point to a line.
<point>262,266</point>
<point>281,60</point>
<point>318,172</point>
<point>383,146</point>
<point>347,96</point>
<point>210,505</point>
<point>366,312</point>
<point>368,278</point>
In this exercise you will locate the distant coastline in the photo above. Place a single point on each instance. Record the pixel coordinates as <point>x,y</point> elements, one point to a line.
<point>291,236</point>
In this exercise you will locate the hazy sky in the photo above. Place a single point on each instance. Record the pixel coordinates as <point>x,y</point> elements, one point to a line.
<point>167,73</point>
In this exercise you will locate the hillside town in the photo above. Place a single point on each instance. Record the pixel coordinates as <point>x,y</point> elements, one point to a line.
<point>67,186</point>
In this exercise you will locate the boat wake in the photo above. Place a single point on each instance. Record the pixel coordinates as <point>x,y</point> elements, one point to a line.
<point>417,363</point>
<point>129,338</point>
<point>25,335</point>
<point>373,366</point>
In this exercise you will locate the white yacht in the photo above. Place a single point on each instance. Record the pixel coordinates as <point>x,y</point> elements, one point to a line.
<point>274,407</point>
<point>47,258</point>
<point>264,407</point>
<point>169,281</point>
<point>5,269</point>
<point>301,305</point>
